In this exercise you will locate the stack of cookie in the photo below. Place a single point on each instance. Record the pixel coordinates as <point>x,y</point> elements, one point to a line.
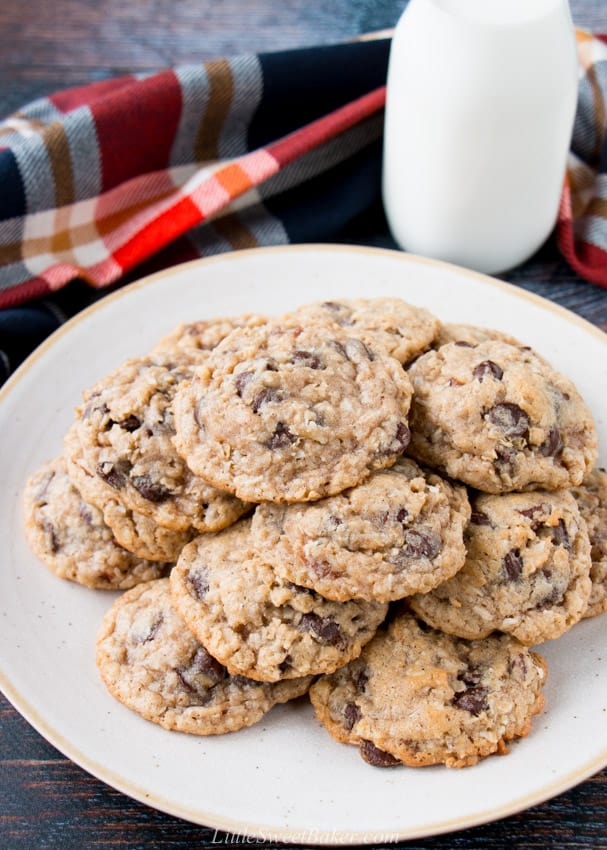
<point>307,474</point>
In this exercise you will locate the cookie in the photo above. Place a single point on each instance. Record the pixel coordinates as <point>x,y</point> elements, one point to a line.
<point>499,418</point>
<point>197,339</point>
<point>386,324</point>
<point>292,414</point>
<point>123,438</point>
<point>527,570</point>
<point>399,532</point>
<point>72,539</point>
<point>419,697</point>
<point>151,663</point>
<point>133,531</point>
<point>256,624</point>
<point>591,497</point>
<point>459,332</point>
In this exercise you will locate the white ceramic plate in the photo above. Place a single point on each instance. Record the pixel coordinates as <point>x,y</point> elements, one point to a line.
<point>284,779</point>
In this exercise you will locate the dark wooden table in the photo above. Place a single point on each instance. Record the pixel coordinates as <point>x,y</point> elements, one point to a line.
<point>45,800</point>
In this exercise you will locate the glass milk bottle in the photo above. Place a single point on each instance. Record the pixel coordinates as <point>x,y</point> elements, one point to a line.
<point>479,115</point>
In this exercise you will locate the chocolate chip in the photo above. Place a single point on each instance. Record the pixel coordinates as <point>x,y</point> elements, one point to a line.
<point>334,521</point>
<point>488,369</point>
<point>52,539</point>
<point>402,515</point>
<point>513,565</point>
<point>323,628</point>
<point>479,518</point>
<point>472,699</point>
<point>403,436</point>
<point>150,489</point>
<point>42,489</point>
<point>421,544</point>
<point>165,425</point>
<point>306,358</point>
<point>282,437</point>
<point>197,583</point>
<point>357,350</point>
<point>85,513</point>
<point>531,512</point>
<point>378,758</point>
<point>318,417</point>
<point>549,600</point>
<point>114,474</point>
<point>199,415</point>
<point>510,419</point>
<point>560,535</point>
<point>360,679</point>
<point>285,664</point>
<point>93,407</point>
<point>336,307</point>
<point>337,346</point>
<point>518,662</point>
<point>202,662</point>
<point>265,397</point>
<point>320,568</point>
<point>152,631</point>
<point>352,715</point>
<point>131,423</point>
<point>463,344</point>
<point>241,380</point>
<point>418,544</point>
<point>354,350</point>
<point>399,443</point>
<point>553,444</point>
<point>184,682</point>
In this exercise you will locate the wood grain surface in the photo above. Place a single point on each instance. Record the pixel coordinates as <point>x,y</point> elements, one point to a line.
<point>45,800</point>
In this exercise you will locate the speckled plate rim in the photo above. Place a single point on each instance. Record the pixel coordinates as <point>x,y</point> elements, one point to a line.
<point>268,830</point>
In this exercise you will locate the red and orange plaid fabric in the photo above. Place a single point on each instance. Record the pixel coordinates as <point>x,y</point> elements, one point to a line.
<point>98,179</point>
<point>582,224</point>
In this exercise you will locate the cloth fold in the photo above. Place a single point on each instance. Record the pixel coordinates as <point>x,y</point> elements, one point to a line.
<point>202,158</point>
<point>104,182</point>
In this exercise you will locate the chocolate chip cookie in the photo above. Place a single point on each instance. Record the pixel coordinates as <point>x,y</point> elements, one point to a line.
<point>151,663</point>
<point>256,624</point>
<point>527,570</point>
<point>72,539</point>
<point>134,531</point>
<point>462,333</point>
<point>197,339</point>
<point>419,697</point>
<point>292,414</point>
<point>123,438</point>
<point>591,497</point>
<point>399,532</point>
<point>499,418</point>
<point>387,324</point>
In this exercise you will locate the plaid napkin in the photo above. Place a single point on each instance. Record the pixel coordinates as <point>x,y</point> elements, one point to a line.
<point>582,224</point>
<point>122,177</point>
